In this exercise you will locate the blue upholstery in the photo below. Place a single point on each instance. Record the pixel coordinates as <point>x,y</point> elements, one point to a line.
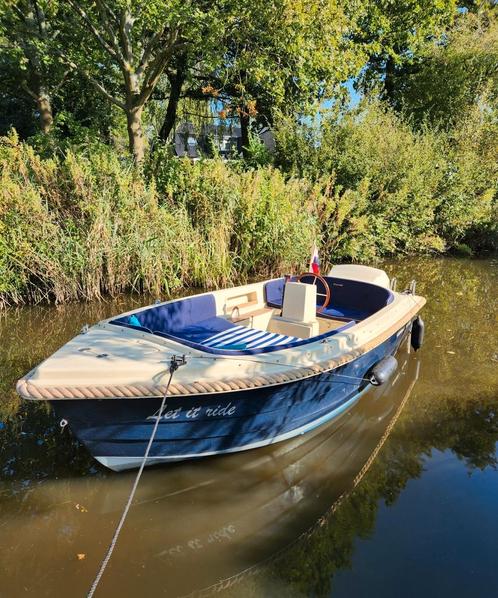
<point>243,337</point>
<point>349,300</point>
<point>194,317</point>
<point>204,329</point>
<point>274,291</point>
<point>193,322</point>
<point>198,335</point>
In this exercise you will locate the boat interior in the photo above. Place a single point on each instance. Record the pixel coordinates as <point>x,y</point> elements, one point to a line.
<point>262,317</point>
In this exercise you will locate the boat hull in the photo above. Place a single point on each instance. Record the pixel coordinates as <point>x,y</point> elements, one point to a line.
<point>116,432</point>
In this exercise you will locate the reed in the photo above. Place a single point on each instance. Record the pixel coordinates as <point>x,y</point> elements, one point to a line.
<point>89,224</point>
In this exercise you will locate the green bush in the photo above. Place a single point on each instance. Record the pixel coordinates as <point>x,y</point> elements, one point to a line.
<point>364,184</point>
<point>392,189</point>
<point>468,206</point>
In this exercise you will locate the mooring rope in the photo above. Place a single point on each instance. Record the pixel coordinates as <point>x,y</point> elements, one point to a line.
<point>176,362</point>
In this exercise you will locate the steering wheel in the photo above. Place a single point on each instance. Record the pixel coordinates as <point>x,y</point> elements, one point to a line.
<point>325,284</point>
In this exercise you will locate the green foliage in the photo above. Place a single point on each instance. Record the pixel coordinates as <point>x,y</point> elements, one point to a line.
<point>257,153</point>
<point>78,220</point>
<point>88,224</point>
<point>131,53</point>
<point>393,34</point>
<point>391,189</point>
<point>85,222</point>
<point>285,55</point>
<point>453,75</point>
<point>468,211</point>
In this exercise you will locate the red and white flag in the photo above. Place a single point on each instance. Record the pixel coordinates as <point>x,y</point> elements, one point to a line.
<point>314,261</point>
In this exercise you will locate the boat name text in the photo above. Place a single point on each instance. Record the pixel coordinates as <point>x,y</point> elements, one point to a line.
<point>194,412</point>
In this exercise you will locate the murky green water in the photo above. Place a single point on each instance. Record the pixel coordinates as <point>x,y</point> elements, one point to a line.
<point>397,498</point>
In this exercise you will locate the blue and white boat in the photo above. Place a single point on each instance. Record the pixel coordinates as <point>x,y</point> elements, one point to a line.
<point>264,362</point>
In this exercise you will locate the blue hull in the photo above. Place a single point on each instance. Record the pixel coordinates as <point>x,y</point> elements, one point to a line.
<point>116,431</point>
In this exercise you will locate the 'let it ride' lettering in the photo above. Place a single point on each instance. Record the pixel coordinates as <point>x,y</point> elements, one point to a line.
<point>195,412</point>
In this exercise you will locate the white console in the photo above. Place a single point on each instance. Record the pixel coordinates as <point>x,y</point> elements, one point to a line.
<point>298,313</point>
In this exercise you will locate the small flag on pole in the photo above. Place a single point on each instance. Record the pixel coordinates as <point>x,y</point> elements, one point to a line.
<point>314,261</point>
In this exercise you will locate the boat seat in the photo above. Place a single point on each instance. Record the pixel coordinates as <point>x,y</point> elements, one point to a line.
<point>203,330</point>
<point>218,333</point>
<point>242,337</point>
<point>350,299</point>
<point>193,318</point>
<point>193,321</point>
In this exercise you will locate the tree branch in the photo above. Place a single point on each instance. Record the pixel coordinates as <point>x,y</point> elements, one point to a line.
<point>19,13</point>
<point>148,52</point>
<point>29,91</point>
<point>158,65</point>
<point>93,81</point>
<point>109,11</point>
<point>107,14</point>
<point>98,36</point>
<point>125,24</point>
<point>40,17</point>
<point>62,81</point>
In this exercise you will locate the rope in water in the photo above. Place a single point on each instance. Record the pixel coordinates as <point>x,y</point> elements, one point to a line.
<point>174,365</point>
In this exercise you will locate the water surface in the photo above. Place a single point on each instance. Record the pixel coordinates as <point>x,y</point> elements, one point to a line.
<point>398,497</point>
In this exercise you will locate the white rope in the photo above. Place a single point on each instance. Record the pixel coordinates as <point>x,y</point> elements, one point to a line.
<point>175,362</point>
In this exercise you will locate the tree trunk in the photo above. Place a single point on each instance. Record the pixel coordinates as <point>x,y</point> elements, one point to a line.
<point>176,84</point>
<point>42,99</point>
<point>389,76</point>
<point>244,131</point>
<point>135,133</point>
<point>45,110</point>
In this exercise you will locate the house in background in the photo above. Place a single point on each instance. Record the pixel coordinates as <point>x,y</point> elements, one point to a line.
<point>210,139</point>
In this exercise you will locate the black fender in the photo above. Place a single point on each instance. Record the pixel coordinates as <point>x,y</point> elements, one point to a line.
<point>383,370</point>
<point>417,335</point>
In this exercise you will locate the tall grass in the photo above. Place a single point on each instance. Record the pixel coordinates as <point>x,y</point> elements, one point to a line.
<point>89,224</point>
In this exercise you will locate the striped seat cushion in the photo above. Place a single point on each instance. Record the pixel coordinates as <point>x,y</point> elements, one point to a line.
<point>241,337</point>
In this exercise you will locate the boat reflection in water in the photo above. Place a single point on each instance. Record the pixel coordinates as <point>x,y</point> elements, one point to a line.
<point>203,525</point>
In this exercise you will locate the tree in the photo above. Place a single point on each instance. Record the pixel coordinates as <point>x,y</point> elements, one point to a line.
<point>124,47</point>
<point>279,56</point>
<point>28,34</point>
<point>393,33</point>
<point>453,76</point>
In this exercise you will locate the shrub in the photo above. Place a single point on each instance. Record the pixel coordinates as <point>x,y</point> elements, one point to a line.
<point>468,206</point>
<point>391,189</point>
